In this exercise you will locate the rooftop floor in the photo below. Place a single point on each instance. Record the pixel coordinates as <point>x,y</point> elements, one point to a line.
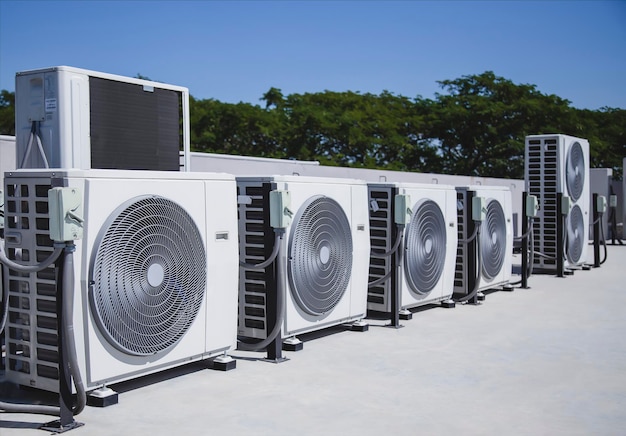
<point>549,360</point>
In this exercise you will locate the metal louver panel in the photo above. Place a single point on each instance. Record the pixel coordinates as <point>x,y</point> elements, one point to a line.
<point>493,240</point>
<point>425,248</point>
<point>32,352</point>
<point>381,240</point>
<point>149,276</point>
<point>542,181</point>
<point>320,255</point>
<point>575,238</point>
<point>575,171</point>
<point>461,263</point>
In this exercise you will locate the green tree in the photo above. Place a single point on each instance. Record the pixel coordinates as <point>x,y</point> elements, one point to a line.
<point>480,124</point>
<point>7,112</point>
<point>232,128</point>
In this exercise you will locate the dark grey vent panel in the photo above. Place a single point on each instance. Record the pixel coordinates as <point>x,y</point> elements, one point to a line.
<point>132,128</point>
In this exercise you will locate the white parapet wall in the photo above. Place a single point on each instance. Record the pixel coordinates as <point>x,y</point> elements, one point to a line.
<point>247,165</point>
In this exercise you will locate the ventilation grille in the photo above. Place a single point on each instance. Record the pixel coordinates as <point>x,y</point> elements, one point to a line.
<point>31,330</point>
<point>148,275</point>
<point>493,240</point>
<point>575,234</point>
<point>542,181</point>
<point>320,255</point>
<point>575,171</point>
<point>425,249</point>
<point>461,266</point>
<point>254,234</point>
<point>381,240</point>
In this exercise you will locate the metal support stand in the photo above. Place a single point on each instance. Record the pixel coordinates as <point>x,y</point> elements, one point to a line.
<point>613,220</point>
<point>560,225</point>
<point>66,420</point>
<point>396,298</point>
<point>596,232</point>
<point>525,230</point>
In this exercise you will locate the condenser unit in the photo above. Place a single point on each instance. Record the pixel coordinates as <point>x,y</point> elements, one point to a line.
<point>423,268</point>
<point>559,164</point>
<point>73,118</point>
<point>485,261</point>
<point>155,273</point>
<point>327,244</point>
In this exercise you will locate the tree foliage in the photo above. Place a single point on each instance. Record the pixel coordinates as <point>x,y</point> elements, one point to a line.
<point>476,126</point>
<point>7,112</point>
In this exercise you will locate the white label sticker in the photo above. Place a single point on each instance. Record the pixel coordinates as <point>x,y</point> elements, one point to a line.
<point>51,104</point>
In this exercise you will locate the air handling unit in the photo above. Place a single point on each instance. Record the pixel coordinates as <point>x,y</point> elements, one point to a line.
<point>322,274</point>
<point>485,240</point>
<point>413,236</point>
<point>73,118</point>
<point>557,166</point>
<point>155,272</point>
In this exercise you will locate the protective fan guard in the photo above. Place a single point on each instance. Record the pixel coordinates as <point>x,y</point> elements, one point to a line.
<point>320,255</point>
<point>575,234</point>
<point>575,171</point>
<point>148,275</point>
<point>425,249</point>
<point>493,240</point>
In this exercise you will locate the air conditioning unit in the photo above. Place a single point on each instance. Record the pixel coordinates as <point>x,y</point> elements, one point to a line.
<point>73,118</point>
<point>559,164</point>
<point>425,274</point>
<point>327,254</point>
<point>492,267</point>
<point>155,273</point>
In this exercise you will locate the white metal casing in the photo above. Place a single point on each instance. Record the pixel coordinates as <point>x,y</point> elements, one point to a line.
<point>60,99</point>
<point>504,248</point>
<point>210,200</point>
<point>351,195</point>
<point>546,175</point>
<point>444,196</point>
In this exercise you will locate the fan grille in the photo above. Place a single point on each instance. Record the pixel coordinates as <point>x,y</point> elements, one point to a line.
<point>320,255</point>
<point>149,276</point>
<point>493,240</point>
<point>425,247</point>
<point>575,234</point>
<point>575,172</point>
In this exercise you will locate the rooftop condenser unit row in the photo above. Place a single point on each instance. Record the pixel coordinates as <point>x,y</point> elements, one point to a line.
<point>558,165</point>
<point>326,227</point>
<point>73,118</point>
<point>485,239</point>
<point>421,268</point>
<point>155,273</point>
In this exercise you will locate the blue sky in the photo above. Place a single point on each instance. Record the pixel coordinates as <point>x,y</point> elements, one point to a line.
<point>235,51</point>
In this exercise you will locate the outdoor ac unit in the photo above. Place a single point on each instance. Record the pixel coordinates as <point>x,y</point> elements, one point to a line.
<point>559,164</point>
<point>495,242</point>
<point>155,273</point>
<point>327,253</point>
<point>426,273</point>
<point>73,118</point>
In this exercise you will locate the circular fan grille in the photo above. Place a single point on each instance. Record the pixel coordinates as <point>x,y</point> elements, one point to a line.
<point>493,240</point>
<point>149,276</point>
<point>575,173</point>
<point>320,255</point>
<point>425,247</point>
<point>575,234</point>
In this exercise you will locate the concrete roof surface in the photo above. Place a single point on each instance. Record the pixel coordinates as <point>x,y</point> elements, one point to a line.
<point>549,360</point>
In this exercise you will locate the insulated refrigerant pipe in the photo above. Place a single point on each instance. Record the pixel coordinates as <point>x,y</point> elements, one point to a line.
<point>67,286</point>
<point>277,253</point>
